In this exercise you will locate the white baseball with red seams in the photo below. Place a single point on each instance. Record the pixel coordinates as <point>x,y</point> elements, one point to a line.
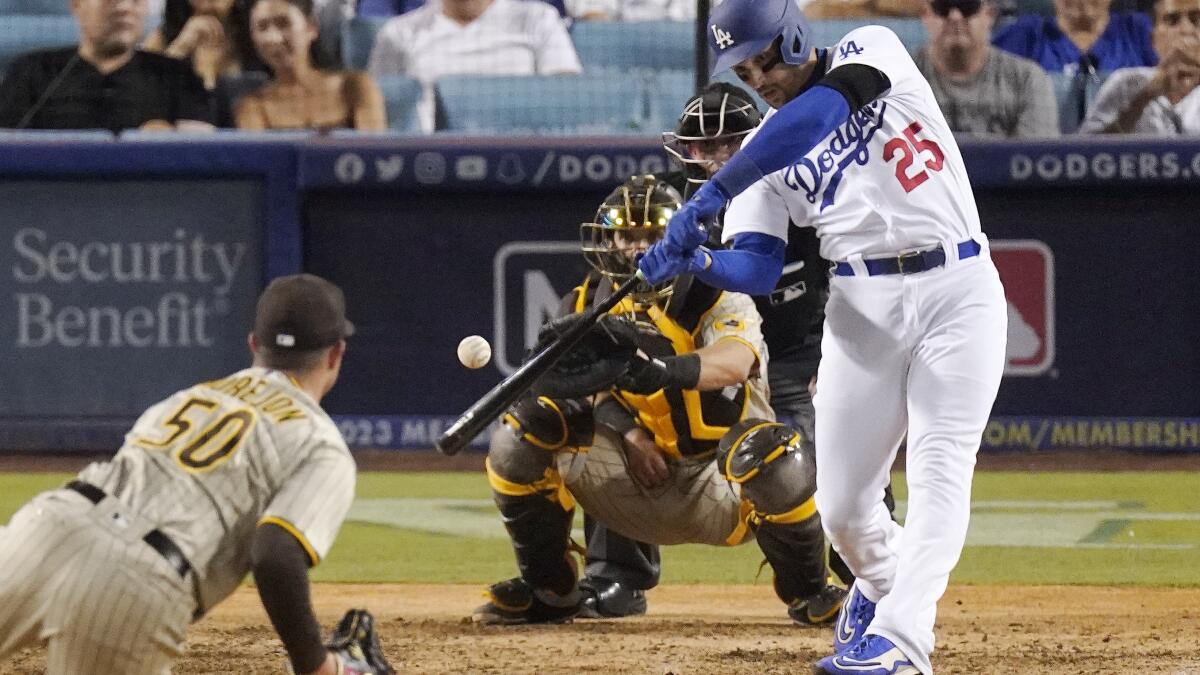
<point>474,351</point>
<point>903,354</point>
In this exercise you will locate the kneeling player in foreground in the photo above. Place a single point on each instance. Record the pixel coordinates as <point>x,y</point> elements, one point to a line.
<point>246,473</point>
<point>658,426</point>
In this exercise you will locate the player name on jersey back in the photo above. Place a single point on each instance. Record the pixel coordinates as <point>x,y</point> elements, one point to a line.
<point>258,392</point>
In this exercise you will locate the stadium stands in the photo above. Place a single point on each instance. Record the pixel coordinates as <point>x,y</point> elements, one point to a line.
<point>585,104</point>
<point>20,33</point>
<point>358,36</point>
<point>645,45</point>
<point>400,96</point>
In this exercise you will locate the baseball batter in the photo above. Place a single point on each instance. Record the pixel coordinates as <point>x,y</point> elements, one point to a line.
<point>245,473</point>
<point>655,427</point>
<point>914,339</point>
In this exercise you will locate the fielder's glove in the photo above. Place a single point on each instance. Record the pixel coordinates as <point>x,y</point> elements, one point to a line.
<point>356,645</point>
<point>593,364</point>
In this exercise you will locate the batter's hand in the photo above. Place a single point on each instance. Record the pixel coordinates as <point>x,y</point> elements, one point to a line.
<point>660,264</point>
<point>688,228</point>
<point>647,466</point>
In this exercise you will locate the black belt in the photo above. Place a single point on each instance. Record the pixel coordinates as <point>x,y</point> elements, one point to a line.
<point>155,539</point>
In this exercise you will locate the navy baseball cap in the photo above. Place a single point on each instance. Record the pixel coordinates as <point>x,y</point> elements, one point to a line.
<point>301,312</point>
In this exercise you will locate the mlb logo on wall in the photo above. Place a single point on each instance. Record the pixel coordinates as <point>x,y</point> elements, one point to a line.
<point>1026,268</point>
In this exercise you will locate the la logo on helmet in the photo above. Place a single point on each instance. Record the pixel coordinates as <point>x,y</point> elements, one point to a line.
<point>723,38</point>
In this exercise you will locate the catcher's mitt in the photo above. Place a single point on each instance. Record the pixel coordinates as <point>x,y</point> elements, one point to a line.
<point>593,364</point>
<point>356,644</point>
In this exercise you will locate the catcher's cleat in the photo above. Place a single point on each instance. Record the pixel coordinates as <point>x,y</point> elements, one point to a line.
<point>852,621</point>
<point>605,599</point>
<point>515,602</point>
<point>873,655</point>
<point>819,608</point>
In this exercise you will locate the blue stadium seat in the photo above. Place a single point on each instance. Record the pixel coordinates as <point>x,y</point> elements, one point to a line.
<point>666,92</point>
<point>649,45</point>
<point>358,37</point>
<point>35,7</point>
<point>911,32</point>
<point>25,33</point>
<point>400,96</point>
<point>1039,7</point>
<point>552,105</point>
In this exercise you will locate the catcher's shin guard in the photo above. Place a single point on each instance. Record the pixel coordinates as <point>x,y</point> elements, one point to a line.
<point>535,508</point>
<point>774,465</point>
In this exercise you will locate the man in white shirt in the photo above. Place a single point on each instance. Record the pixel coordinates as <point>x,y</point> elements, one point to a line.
<point>1163,100</point>
<point>473,37</point>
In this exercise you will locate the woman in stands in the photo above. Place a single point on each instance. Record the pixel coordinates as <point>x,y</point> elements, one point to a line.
<point>301,94</point>
<point>209,33</point>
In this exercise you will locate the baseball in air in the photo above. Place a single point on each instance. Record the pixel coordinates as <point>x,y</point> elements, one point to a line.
<point>474,351</point>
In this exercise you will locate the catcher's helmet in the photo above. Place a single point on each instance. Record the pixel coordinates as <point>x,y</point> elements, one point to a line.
<point>637,211</point>
<point>723,111</point>
<point>739,29</point>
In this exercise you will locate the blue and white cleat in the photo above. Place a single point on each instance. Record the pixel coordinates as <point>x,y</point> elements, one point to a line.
<point>857,614</point>
<point>873,655</point>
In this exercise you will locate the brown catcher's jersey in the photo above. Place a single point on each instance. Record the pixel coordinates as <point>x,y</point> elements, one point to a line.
<point>689,422</point>
<point>213,461</point>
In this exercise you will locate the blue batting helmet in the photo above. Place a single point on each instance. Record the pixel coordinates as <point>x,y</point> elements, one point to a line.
<point>739,29</point>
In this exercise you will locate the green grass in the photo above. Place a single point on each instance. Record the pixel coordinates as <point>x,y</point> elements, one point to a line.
<point>1144,529</point>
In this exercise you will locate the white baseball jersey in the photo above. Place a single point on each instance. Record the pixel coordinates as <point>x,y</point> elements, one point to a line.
<point>210,463</point>
<point>888,179</point>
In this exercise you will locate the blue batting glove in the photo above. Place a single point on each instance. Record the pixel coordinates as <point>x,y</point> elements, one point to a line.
<point>661,264</point>
<point>688,227</point>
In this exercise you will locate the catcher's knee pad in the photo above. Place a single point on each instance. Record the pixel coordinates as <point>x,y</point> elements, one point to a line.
<point>552,424</point>
<point>514,461</point>
<point>775,466</point>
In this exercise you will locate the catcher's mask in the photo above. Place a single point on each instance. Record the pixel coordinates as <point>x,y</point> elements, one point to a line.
<point>631,219</point>
<point>721,114</point>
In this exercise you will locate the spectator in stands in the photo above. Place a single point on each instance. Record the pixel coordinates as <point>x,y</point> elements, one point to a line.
<point>982,90</point>
<point>473,37</point>
<point>854,9</point>
<point>105,82</point>
<point>209,33</point>
<point>632,10</point>
<point>1163,100</point>
<point>385,9</point>
<point>301,93</point>
<point>1083,36</point>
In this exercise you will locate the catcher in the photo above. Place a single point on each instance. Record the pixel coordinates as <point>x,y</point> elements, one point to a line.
<point>658,425</point>
<point>241,474</point>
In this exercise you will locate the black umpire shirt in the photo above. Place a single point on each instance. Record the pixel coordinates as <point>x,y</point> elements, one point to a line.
<point>148,87</point>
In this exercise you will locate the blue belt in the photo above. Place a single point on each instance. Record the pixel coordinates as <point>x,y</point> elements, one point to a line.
<point>910,263</point>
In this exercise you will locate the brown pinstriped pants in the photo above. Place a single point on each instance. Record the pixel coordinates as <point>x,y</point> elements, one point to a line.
<point>695,506</point>
<point>78,576</point>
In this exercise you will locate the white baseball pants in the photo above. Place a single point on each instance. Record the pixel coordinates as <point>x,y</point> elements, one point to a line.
<point>920,355</point>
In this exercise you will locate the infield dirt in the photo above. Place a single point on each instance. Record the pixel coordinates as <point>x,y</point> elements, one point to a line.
<point>726,630</point>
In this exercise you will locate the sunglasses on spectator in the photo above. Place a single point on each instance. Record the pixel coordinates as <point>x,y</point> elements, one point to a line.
<point>968,8</point>
<point>1175,18</point>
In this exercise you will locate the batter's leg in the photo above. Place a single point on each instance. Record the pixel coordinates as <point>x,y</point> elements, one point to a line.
<point>860,421</point>
<point>955,374</point>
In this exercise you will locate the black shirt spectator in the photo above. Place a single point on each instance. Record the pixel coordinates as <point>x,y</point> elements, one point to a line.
<point>148,87</point>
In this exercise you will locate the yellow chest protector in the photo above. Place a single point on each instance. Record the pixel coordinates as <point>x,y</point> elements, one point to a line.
<point>683,422</point>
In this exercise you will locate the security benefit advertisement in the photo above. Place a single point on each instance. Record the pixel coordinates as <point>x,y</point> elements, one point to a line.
<point>116,293</point>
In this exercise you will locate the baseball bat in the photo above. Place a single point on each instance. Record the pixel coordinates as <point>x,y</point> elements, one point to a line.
<point>492,404</point>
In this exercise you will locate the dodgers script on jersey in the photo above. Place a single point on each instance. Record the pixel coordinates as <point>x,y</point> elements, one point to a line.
<point>234,452</point>
<point>889,178</point>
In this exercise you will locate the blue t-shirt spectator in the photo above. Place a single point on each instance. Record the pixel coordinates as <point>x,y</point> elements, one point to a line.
<point>1125,43</point>
<point>389,8</point>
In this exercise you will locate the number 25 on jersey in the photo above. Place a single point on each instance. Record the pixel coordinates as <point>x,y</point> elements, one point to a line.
<point>909,148</point>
